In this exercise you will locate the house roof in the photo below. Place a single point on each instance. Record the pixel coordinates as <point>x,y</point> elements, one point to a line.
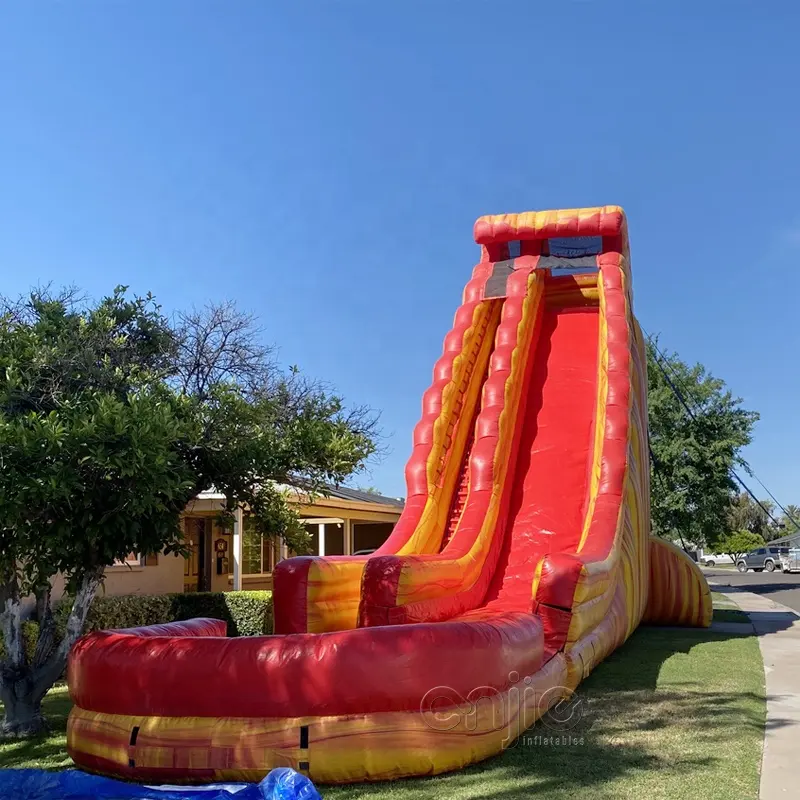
<point>340,492</point>
<point>793,540</point>
<point>344,493</point>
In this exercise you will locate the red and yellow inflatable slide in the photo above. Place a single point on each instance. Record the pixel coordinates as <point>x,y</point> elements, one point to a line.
<point>521,560</point>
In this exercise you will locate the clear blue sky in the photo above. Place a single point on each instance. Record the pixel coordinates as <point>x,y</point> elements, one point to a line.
<point>322,164</point>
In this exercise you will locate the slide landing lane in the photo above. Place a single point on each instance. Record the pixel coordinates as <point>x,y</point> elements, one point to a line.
<point>554,462</point>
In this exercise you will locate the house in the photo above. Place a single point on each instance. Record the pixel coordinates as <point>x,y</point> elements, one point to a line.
<point>343,522</point>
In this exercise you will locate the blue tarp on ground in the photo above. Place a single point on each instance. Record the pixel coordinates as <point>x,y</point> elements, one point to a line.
<point>36,784</point>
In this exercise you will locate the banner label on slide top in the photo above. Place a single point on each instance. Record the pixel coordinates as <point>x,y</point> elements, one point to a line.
<point>575,246</point>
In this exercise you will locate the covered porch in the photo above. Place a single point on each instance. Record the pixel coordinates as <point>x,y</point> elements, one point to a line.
<point>239,558</point>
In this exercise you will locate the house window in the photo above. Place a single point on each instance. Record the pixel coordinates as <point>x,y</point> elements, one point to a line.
<point>258,552</point>
<point>130,560</point>
<point>334,538</point>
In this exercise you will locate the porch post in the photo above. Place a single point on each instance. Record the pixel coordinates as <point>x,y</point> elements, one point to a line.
<point>348,537</point>
<point>238,520</point>
<point>321,546</point>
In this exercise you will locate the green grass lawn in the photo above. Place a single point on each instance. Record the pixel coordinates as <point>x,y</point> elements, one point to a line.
<point>725,610</point>
<point>49,752</point>
<point>672,714</point>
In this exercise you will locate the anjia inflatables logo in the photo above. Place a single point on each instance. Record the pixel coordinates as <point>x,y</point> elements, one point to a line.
<point>558,709</point>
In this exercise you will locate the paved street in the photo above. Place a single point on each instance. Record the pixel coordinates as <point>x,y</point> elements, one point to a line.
<point>777,586</point>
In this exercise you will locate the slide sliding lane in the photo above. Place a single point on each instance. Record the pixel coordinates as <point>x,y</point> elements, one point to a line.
<point>552,472</point>
<point>315,594</point>
<point>429,587</point>
<point>590,594</point>
<point>541,490</point>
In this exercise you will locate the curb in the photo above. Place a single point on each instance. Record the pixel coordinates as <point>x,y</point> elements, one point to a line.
<point>778,630</point>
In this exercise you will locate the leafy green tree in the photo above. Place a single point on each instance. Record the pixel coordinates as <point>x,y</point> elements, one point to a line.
<point>790,521</point>
<point>738,543</point>
<point>694,454</point>
<point>111,419</point>
<point>745,514</point>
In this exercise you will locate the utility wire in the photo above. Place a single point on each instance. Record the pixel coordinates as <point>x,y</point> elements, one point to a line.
<point>689,411</point>
<point>749,470</point>
<point>742,462</point>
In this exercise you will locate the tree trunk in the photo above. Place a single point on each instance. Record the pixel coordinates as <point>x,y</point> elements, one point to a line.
<point>11,626</point>
<point>47,627</point>
<point>23,710</point>
<point>23,685</point>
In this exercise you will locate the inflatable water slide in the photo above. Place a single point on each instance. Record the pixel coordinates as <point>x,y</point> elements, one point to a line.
<point>522,559</point>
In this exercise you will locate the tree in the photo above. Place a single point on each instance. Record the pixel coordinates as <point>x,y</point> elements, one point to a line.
<point>693,454</point>
<point>221,343</point>
<point>738,543</point>
<point>745,514</point>
<point>790,520</point>
<point>111,419</point>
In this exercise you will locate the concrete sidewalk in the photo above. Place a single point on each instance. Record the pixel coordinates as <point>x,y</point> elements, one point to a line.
<point>778,631</point>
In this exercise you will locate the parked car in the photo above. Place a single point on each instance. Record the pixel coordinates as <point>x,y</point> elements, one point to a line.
<point>765,558</point>
<point>714,559</point>
<point>790,562</point>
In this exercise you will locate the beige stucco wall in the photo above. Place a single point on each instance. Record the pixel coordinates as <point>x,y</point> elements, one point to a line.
<point>252,583</point>
<point>167,576</point>
<point>163,578</point>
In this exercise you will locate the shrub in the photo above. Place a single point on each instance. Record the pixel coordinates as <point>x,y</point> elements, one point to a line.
<point>30,634</point>
<point>247,613</point>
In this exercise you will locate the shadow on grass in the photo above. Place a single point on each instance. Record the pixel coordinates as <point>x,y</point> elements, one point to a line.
<point>768,622</point>
<point>730,615</point>
<point>672,713</point>
<point>46,752</point>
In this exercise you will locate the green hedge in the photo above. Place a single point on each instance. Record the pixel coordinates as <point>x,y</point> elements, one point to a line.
<point>247,613</point>
<point>30,633</point>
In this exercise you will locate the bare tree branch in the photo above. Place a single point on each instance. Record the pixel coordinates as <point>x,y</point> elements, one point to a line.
<point>22,308</point>
<point>219,342</point>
